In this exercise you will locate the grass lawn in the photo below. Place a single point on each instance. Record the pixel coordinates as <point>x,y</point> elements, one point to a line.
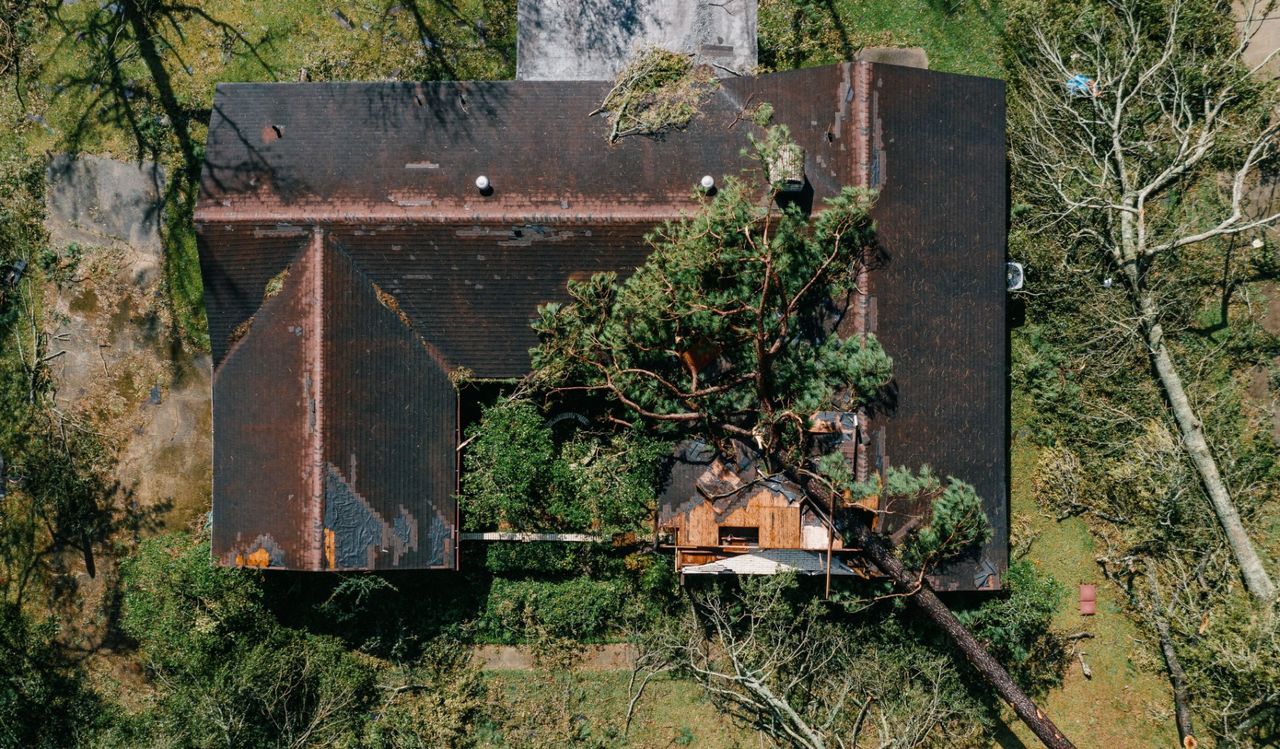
<point>536,708</point>
<point>960,36</point>
<point>1128,702</point>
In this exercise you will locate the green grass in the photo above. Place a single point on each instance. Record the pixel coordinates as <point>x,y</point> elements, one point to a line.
<point>1126,703</point>
<point>182,271</point>
<point>536,707</point>
<point>959,36</point>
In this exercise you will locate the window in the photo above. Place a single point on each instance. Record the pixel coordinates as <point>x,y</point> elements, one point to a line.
<point>732,535</point>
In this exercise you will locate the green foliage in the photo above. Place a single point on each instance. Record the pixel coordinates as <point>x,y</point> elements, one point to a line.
<point>516,559</point>
<point>183,610</point>
<point>434,703</point>
<point>657,91</point>
<point>228,673</point>
<point>956,522</point>
<point>44,702</point>
<point>1016,626</point>
<point>1112,453</point>
<point>900,481</point>
<point>1232,659</point>
<point>182,266</point>
<point>723,329</point>
<point>520,475</point>
<point>839,675</point>
<point>835,469</point>
<point>22,237</point>
<point>508,460</point>
<point>578,608</point>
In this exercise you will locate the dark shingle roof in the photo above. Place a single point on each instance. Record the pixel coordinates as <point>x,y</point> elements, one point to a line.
<point>334,420</point>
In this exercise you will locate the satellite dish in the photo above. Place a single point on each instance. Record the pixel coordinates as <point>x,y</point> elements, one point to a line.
<point>1014,275</point>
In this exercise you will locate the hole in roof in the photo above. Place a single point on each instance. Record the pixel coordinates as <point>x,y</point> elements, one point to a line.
<point>272,133</point>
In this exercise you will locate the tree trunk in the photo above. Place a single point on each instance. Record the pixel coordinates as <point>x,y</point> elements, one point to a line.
<point>906,581</point>
<point>1177,677</point>
<point>1255,575</point>
<point>135,14</point>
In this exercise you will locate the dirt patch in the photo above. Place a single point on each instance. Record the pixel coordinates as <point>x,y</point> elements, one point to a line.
<point>121,363</point>
<point>168,466</point>
<point>610,657</point>
<point>119,367</point>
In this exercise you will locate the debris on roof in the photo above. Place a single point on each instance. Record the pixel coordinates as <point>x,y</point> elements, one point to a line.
<point>351,267</point>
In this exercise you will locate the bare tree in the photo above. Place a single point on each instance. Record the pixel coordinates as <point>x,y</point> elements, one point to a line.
<point>778,666</point>
<point>1143,137</point>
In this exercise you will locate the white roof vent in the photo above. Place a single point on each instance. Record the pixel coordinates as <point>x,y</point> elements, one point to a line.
<point>482,183</point>
<point>708,183</point>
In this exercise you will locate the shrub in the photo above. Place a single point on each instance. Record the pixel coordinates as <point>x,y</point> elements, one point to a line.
<point>519,474</point>
<point>1016,626</point>
<point>227,673</point>
<point>580,608</point>
<point>183,610</point>
<point>434,704</point>
<point>43,702</point>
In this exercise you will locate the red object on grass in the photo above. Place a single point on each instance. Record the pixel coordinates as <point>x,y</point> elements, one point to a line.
<point>1088,599</point>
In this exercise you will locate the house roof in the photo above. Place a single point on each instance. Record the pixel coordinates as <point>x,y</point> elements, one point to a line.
<point>389,151</point>
<point>772,562</point>
<point>335,423</point>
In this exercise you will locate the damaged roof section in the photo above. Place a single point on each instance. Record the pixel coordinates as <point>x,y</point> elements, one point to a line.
<point>350,263</point>
<point>341,455</point>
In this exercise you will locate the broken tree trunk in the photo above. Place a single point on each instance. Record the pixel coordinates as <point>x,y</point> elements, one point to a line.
<point>918,591</point>
<point>1255,575</point>
<point>1177,677</point>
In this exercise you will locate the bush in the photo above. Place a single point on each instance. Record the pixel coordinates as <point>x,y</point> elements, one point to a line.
<point>512,559</point>
<point>1016,627</point>
<point>227,673</point>
<point>519,474</point>
<point>581,608</point>
<point>507,467</point>
<point>435,703</point>
<point>184,611</point>
<point>43,702</point>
